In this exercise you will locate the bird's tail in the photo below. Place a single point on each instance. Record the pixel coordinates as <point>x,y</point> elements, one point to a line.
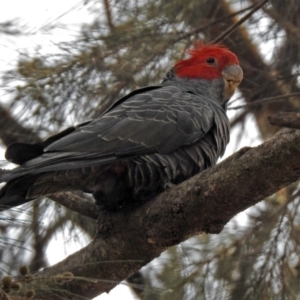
<point>14,192</point>
<point>3,174</point>
<point>25,188</point>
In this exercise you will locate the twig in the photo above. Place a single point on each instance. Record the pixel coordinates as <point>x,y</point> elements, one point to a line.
<point>217,21</point>
<point>238,23</point>
<point>265,100</point>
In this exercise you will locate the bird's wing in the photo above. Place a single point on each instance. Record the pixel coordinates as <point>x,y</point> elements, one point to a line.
<point>153,121</point>
<point>159,120</point>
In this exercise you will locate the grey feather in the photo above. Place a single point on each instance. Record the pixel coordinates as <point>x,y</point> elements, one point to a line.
<point>162,135</point>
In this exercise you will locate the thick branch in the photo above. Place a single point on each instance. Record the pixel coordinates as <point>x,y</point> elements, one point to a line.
<point>285,119</point>
<point>78,204</point>
<point>127,240</point>
<point>108,14</point>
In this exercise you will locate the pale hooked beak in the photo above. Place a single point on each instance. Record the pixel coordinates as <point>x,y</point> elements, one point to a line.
<point>232,75</point>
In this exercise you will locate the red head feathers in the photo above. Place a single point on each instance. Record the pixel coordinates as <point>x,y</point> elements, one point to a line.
<point>206,62</point>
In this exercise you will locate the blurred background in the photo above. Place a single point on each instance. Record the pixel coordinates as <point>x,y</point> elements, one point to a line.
<point>64,62</point>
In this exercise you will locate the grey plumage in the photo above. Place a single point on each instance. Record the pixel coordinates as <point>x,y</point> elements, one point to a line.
<point>152,137</point>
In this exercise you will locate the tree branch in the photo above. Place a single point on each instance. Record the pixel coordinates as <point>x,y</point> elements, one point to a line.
<point>285,119</point>
<point>127,240</point>
<point>77,204</point>
<point>108,14</point>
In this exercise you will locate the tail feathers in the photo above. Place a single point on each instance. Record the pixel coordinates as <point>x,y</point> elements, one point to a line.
<point>4,174</point>
<point>19,153</point>
<point>29,187</point>
<point>11,201</point>
<point>14,193</point>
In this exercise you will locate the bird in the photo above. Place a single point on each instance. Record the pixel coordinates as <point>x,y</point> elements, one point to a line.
<point>152,138</point>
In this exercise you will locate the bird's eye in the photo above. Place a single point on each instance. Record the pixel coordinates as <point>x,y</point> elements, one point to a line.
<point>210,60</point>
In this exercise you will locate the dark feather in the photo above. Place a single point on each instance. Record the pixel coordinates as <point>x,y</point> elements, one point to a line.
<point>151,137</point>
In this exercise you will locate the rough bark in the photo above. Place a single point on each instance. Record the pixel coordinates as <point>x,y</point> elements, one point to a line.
<point>127,240</point>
